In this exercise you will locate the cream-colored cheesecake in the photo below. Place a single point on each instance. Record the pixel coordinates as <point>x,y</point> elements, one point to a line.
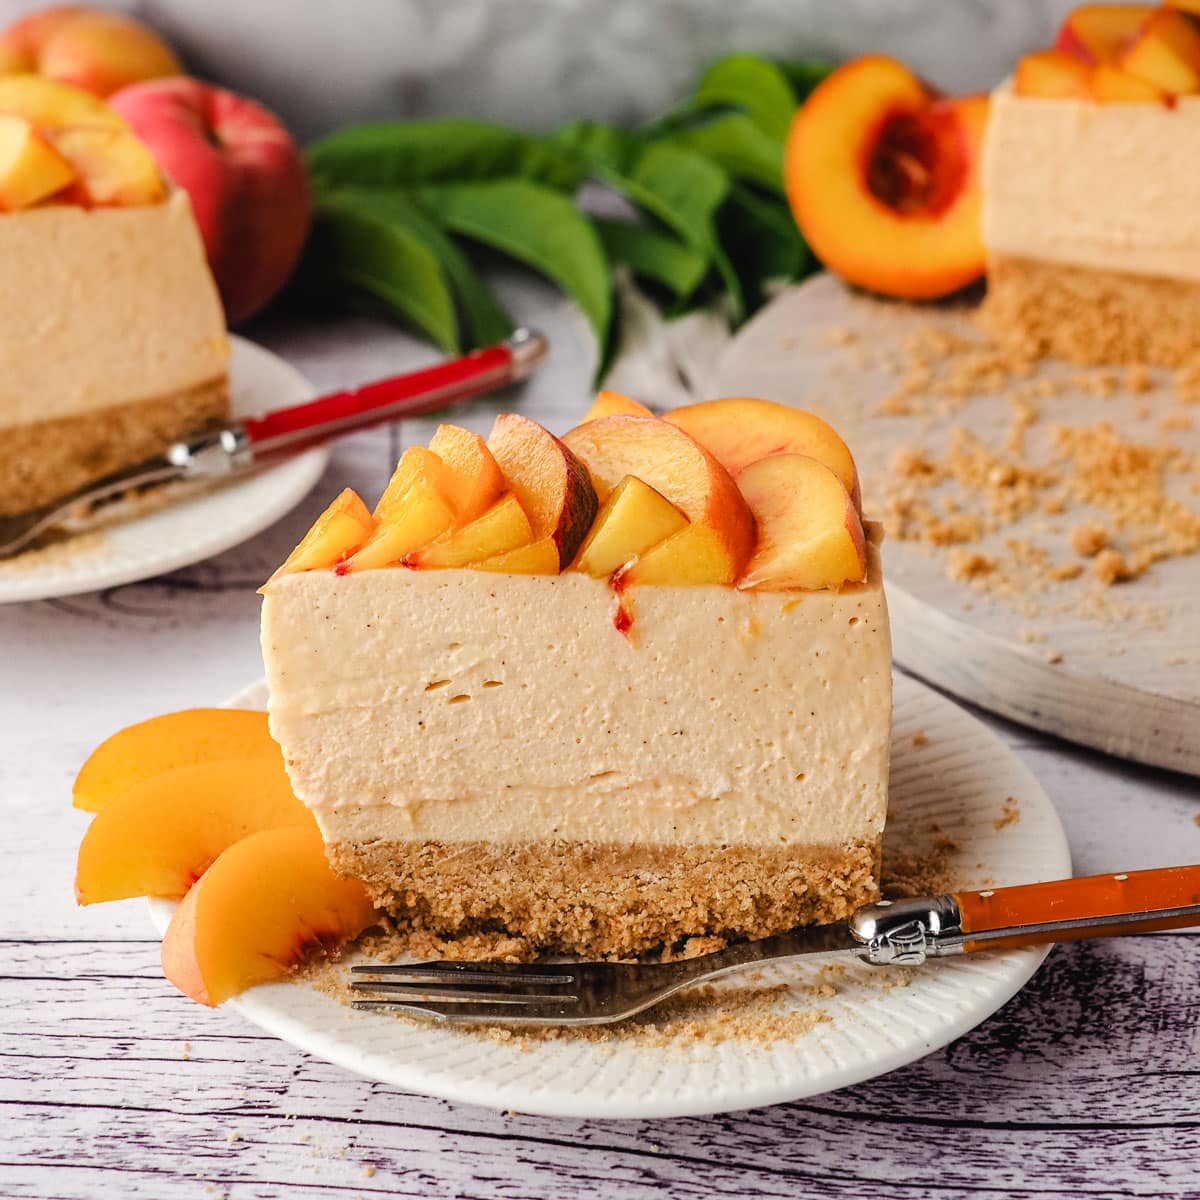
<point>1091,219</point>
<point>596,770</point>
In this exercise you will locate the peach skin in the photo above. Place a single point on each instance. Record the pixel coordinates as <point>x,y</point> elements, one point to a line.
<point>883,179</point>
<point>161,836</point>
<point>257,912</point>
<point>179,739</point>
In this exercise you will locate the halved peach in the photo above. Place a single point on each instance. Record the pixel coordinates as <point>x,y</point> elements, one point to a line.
<point>30,167</point>
<point>159,837</point>
<point>337,533</point>
<point>614,404</point>
<point>473,479</point>
<point>416,519</point>
<point>265,904</point>
<point>1111,85</point>
<point>114,167</point>
<point>551,483</point>
<point>720,536</point>
<point>1165,52</point>
<point>883,180</point>
<point>538,558</point>
<point>1052,73</point>
<point>634,519</point>
<point>1097,33</point>
<point>49,104</point>
<point>809,532</point>
<point>739,431</point>
<point>502,528</point>
<point>161,744</point>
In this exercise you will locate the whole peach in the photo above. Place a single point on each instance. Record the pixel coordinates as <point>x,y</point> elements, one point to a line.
<point>244,174</point>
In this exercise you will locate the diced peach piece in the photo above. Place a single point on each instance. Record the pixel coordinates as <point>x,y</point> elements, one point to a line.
<point>1097,33</point>
<point>502,528</point>
<point>1165,53</point>
<point>265,904</point>
<point>551,483</point>
<point>809,532</point>
<point>538,558</point>
<point>1052,73</point>
<point>614,404</point>
<point>413,521</point>
<point>739,431</point>
<point>1111,85</point>
<point>49,104</point>
<point>634,519</point>
<point>717,543</point>
<point>159,837</point>
<point>161,744</point>
<point>30,168</point>
<point>883,179</point>
<point>114,168</point>
<point>338,532</point>
<point>473,479</point>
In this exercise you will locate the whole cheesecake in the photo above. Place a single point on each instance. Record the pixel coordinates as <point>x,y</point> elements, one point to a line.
<point>113,344</point>
<point>538,731</point>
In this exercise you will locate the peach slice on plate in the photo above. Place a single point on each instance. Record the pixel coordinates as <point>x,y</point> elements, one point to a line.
<point>179,739</point>
<point>634,519</point>
<point>1111,85</point>
<point>550,482</point>
<point>538,558</point>
<point>337,533</point>
<point>1165,52</point>
<point>252,917</point>
<point>1096,33</point>
<point>716,543</point>
<point>160,837</point>
<point>883,179</point>
<point>472,481</point>
<point>740,431</point>
<point>1054,74</point>
<point>614,404</point>
<point>502,528</point>
<point>30,167</point>
<point>809,532</point>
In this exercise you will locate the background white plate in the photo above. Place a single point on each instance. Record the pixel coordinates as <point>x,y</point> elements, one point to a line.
<point>187,530</point>
<point>957,783</point>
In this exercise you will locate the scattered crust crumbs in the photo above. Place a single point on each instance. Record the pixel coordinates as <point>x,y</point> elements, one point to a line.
<point>1111,567</point>
<point>1010,814</point>
<point>1088,539</point>
<point>920,738</point>
<point>1196,818</point>
<point>927,872</point>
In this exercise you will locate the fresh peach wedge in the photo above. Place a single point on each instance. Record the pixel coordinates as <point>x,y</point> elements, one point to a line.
<point>161,836</point>
<point>161,744</point>
<point>417,464</point>
<point>1097,33</point>
<point>1165,53</point>
<point>49,104</point>
<point>634,519</point>
<point>416,519</point>
<point>1053,74</point>
<point>883,179</point>
<point>267,902</point>
<point>809,532</point>
<point>502,528</point>
<point>1111,85</point>
<point>30,167</point>
<point>614,404</point>
<point>538,558</point>
<point>337,533</point>
<point>114,168</point>
<point>716,543</point>
<point>472,481</point>
<point>550,482</point>
<point>739,431</point>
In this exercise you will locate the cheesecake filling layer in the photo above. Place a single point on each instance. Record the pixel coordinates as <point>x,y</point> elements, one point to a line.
<point>1104,186</point>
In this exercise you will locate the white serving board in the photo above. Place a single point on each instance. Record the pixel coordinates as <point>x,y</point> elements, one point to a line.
<point>1128,685</point>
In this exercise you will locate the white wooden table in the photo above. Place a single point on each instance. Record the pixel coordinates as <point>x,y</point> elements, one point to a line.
<point>113,1084</point>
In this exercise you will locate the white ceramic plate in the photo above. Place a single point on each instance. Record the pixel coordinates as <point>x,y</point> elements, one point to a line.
<point>956,784</point>
<point>186,530</point>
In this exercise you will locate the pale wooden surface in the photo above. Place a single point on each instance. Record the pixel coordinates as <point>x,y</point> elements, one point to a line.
<point>114,1085</point>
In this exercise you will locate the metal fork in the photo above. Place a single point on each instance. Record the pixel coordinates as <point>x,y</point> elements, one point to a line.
<point>901,932</point>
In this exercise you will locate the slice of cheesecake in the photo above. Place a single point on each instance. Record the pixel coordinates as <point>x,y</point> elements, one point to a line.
<point>599,763</point>
<point>113,344</point>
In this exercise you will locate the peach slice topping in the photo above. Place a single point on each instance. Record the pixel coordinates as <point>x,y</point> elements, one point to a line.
<point>502,528</point>
<point>634,519</point>
<point>179,739</point>
<point>809,532</point>
<point>1096,33</point>
<point>472,481</point>
<point>265,903</point>
<point>1054,74</point>
<point>30,167</point>
<point>160,836</point>
<point>614,404</point>
<point>1165,53</point>
<point>538,558</point>
<point>337,533</point>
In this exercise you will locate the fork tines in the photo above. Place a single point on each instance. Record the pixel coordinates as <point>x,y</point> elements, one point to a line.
<point>413,985</point>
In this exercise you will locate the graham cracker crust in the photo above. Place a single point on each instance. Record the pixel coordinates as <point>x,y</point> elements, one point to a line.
<point>40,462</point>
<point>1047,309</point>
<point>610,901</point>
